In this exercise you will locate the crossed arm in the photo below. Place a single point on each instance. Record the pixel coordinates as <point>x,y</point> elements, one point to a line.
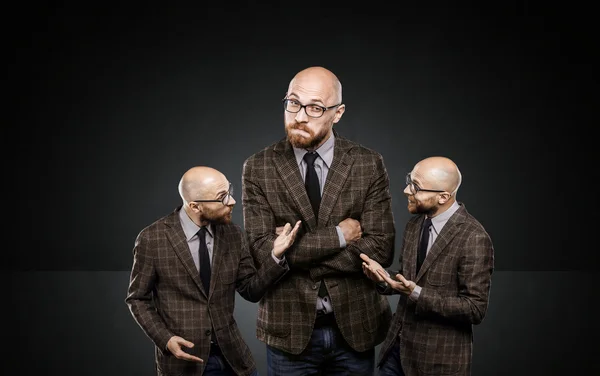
<point>319,251</point>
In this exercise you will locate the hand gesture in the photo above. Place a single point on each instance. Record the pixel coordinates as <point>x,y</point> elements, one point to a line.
<point>370,268</point>
<point>174,346</point>
<point>400,283</point>
<point>286,238</point>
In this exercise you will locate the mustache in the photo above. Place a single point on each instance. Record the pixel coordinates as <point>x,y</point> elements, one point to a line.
<point>300,127</point>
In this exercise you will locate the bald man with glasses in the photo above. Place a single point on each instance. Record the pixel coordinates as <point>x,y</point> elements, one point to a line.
<point>444,283</point>
<point>324,317</point>
<point>187,267</point>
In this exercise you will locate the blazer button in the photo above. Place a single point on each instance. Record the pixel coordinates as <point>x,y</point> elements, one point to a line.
<point>207,332</point>
<point>314,287</point>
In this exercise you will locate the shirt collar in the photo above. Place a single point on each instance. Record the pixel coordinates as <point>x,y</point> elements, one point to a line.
<point>440,220</point>
<point>190,229</point>
<point>325,151</point>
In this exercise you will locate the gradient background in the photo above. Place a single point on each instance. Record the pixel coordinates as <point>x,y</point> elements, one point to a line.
<point>109,106</point>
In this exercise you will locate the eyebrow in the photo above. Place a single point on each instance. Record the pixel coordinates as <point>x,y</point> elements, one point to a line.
<point>224,192</point>
<point>418,184</point>
<point>311,101</point>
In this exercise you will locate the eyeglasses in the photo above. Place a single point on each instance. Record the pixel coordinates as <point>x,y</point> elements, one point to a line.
<point>414,189</point>
<point>312,110</point>
<point>225,200</point>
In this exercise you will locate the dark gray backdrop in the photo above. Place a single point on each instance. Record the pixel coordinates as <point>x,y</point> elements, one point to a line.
<point>107,107</point>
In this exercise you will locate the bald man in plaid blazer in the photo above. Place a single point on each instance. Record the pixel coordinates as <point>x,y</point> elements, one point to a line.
<point>355,209</point>
<point>446,291</point>
<point>192,327</point>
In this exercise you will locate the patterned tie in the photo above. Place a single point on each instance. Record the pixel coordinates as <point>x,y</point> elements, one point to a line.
<point>204,260</point>
<point>311,182</point>
<point>423,243</point>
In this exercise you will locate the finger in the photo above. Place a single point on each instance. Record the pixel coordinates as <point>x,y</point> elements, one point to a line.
<point>385,276</point>
<point>190,358</point>
<point>402,279</point>
<point>294,231</point>
<point>185,343</point>
<point>285,230</point>
<point>389,280</point>
<point>365,257</point>
<point>369,273</point>
<point>296,226</point>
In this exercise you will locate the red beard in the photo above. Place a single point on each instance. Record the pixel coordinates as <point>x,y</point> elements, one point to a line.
<point>301,142</point>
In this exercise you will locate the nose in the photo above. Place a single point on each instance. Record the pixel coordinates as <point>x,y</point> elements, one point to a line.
<point>301,116</point>
<point>231,201</point>
<point>407,190</point>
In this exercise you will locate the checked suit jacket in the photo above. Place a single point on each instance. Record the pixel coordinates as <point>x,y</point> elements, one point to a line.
<point>166,296</point>
<point>436,331</point>
<point>273,194</point>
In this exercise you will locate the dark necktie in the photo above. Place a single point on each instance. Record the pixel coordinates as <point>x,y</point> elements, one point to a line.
<point>204,260</point>
<point>423,243</point>
<point>311,182</point>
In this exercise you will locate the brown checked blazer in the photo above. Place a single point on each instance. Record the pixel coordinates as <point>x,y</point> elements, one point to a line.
<point>166,296</point>
<point>357,186</point>
<point>436,335</point>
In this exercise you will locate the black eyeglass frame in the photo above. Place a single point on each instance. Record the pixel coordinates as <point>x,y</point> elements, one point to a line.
<point>286,100</point>
<point>225,198</point>
<point>416,189</point>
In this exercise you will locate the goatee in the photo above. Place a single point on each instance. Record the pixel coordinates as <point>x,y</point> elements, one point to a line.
<point>300,142</point>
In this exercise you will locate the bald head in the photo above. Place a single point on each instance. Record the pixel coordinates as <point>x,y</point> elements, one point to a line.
<point>199,182</point>
<point>438,172</point>
<point>318,81</point>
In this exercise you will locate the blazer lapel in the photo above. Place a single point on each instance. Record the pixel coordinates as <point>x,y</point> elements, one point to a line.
<point>290,175</point>
<point>336,178</point>
<point>177,238</point>
<point>409,260</point>
<point>449,231</point>
<point>220,247</point>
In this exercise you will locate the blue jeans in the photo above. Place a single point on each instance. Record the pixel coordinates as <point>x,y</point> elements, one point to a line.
<point>327,354</point>
<point>391,364</point>
<point>218,366</point>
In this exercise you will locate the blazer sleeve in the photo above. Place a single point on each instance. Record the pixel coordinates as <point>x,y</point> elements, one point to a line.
<point>139,294</point>
<point>378,227</point>
<point>260,225</point>
<point>469,306</point>
<point>252,284</point>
